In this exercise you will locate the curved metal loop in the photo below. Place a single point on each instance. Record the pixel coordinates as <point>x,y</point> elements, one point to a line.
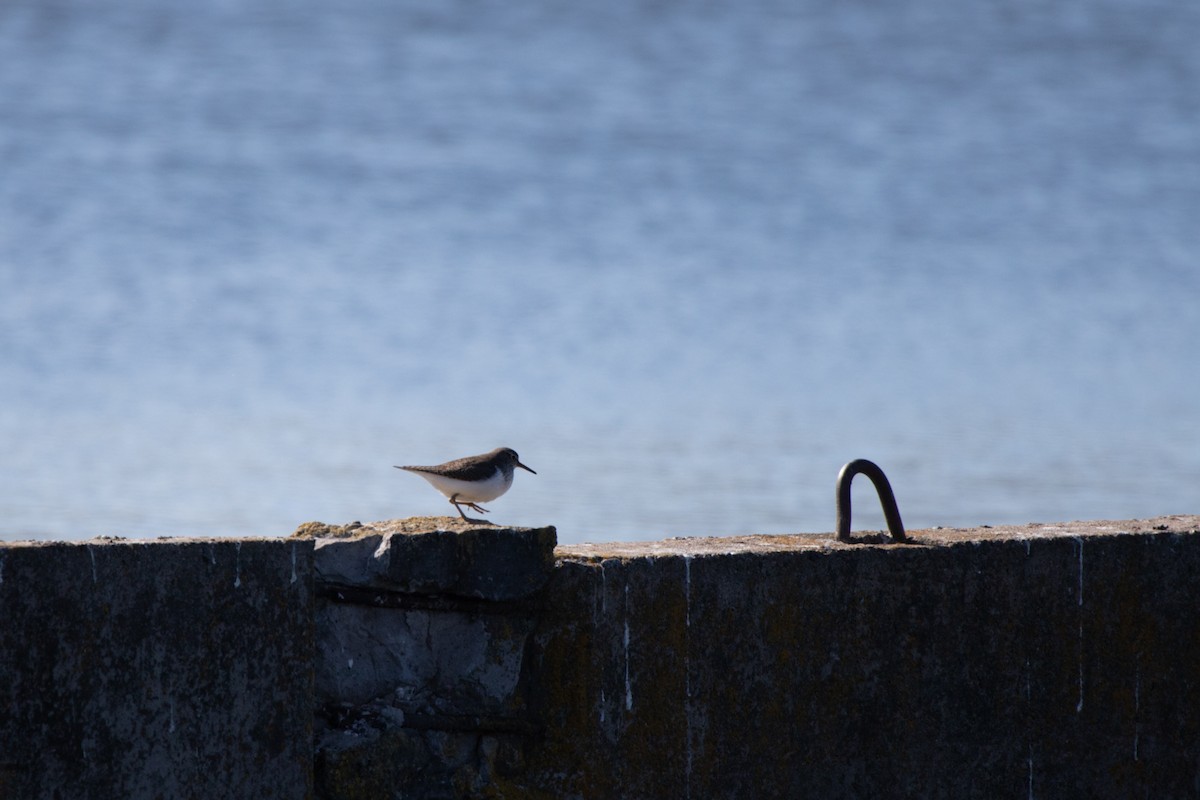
<point>886,498</point>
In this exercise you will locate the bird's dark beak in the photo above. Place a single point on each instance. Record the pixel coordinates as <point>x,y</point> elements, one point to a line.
<point>527,469</point>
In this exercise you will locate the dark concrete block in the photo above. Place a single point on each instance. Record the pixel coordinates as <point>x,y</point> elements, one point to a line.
<point>381,759</point>
<point>436,661</point>
<point>436,555</point>
<point>1053,661</point>
<point>176,668</point>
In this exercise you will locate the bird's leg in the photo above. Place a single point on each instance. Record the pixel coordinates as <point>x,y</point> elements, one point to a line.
<point>473,506</point>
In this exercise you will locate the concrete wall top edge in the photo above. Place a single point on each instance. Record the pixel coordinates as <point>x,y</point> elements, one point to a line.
<point>818,542</point>
<point>723,545</point>
<point>415,526</point>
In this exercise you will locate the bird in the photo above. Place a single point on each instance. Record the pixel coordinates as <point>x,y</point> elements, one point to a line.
<point>473,480</point>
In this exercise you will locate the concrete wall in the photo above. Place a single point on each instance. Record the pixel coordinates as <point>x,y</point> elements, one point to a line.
<point>422,658</point>
<point>165,669</point>
<point>1057,661</point>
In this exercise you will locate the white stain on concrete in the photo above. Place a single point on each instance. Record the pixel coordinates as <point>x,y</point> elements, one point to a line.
<point>628,682</point>
<point>1030,761</point>
<point>1137,703</point>
<point>1029,701</point>
<point>601,605</point>
<point>603,589</point>
<point>1079,596</point>
<point>687,672</point>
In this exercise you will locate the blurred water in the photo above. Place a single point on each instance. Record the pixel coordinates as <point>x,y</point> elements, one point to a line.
<point>686,259</point>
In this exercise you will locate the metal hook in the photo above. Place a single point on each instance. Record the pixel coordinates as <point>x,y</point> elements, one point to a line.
<point>886,498</point>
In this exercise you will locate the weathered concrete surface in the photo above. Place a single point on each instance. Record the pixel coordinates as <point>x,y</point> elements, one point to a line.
<point>1041,661</point>
<point>156,669</point>
<point>1044,661</point>
<point>423,628</point>
<point>448,662</point>
<point>435,555</point>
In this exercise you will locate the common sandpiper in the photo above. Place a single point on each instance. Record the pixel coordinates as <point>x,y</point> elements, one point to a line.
<point>474,479</point>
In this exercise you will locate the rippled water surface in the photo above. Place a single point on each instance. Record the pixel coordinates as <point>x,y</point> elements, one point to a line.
<point>686,259</point>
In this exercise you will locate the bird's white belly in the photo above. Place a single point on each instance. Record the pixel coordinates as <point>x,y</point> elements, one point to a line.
<point>470,491</point>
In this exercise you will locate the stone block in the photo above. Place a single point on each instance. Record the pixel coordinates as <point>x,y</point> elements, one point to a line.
<point>424,627</point>
<point>436,661</point>
<point>435,555</point>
